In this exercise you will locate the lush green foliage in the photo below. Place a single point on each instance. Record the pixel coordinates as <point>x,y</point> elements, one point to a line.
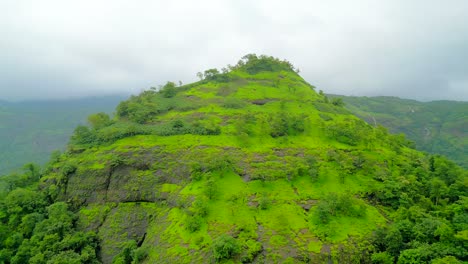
<point>225,247</point>
<point>438,127</point>
<point>431,214</point>
<point>339,205</point>
<point>248,165</point>
<point>34,228</point>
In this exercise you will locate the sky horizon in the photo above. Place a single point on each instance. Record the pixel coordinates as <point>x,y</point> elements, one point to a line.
<point>55,49</point>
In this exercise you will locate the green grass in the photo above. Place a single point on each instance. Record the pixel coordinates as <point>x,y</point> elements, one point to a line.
<point>251,158</point>
<point>252,180</point>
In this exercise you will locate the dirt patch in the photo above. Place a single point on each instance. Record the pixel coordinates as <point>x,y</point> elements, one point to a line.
<point>262,101</point>
<point>252,201</point>
<point>307,204</point>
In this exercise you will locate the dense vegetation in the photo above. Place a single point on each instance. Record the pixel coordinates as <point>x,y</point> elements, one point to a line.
<point>248,165</point>
<point>35,227</point>
<point>31,130</point>
<point>438,127</point>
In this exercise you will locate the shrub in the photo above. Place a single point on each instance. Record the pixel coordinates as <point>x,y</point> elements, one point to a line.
<point>68,169</point>
<point>251,249</point>
<point>83,135</point>
<point>200,207</point>
<point>297,124</point>
<point>211,189</point>
<point>279,126</point>
<point>337,102</point>
<point>196,171</point>
<point>205,129</point>
<point>446,260</point>
<point>313,168</point>
<point>264,202</point>
<point>285,124</point>
<point>382,258</point>
<point>99,120</point>
<point>225,247</point>
<point>339,205</point>
<point>194,223</point>
<point>323,213</point>
<point>350,132</point>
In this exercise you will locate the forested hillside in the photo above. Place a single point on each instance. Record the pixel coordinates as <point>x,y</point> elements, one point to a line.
<point>31,130</point>
<point>248,165</point>
<point>438,127</point>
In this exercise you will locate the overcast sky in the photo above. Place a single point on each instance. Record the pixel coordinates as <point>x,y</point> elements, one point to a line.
<point>56,49</point>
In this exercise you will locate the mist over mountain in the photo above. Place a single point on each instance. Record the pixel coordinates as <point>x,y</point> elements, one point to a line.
<point>31,130</point>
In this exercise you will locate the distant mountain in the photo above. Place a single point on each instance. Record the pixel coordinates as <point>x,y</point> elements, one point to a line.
<point>439,127</point>
<point>31,130</point>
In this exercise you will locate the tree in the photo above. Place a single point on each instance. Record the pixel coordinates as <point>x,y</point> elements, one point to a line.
<point>394,241</point>
<point>99,120</point>
<point>421,254</point>
<point>169,90</point>
<point>382,258</point>
<point>83,136</point>
<point>200,75</point>
<point>32,170</point>
<point>210,73</point>
<point>323,213</point>
<point>279,126</point>
<point>438,188</point>
<point>22,201</point>
<point>446,260</point>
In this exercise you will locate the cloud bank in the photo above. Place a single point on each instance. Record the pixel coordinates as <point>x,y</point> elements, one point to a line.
<point>58,49</point>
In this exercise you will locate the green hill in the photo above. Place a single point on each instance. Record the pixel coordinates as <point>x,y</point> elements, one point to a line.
<point>248,165</point>
<point>31,130</point>
<point>438,127</point>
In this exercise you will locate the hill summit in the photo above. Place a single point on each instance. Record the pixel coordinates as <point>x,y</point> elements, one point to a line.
<point>251,165</point>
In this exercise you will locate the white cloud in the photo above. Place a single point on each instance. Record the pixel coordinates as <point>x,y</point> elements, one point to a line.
<point>414,49</point>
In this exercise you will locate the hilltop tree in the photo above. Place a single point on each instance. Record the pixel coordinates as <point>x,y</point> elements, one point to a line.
<point>169,90</point>
<point>211,73</point>
<point>99,120</point>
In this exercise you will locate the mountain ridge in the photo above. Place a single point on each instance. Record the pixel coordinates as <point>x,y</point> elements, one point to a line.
<point>248,165</point>
<point>436,126</point>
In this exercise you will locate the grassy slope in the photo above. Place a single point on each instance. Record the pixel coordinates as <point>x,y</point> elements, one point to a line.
<point>160,168</point>
<point>31,130</point>
<point>439,127</point>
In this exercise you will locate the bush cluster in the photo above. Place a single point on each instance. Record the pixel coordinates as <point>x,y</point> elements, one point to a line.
<point>339,205</point>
